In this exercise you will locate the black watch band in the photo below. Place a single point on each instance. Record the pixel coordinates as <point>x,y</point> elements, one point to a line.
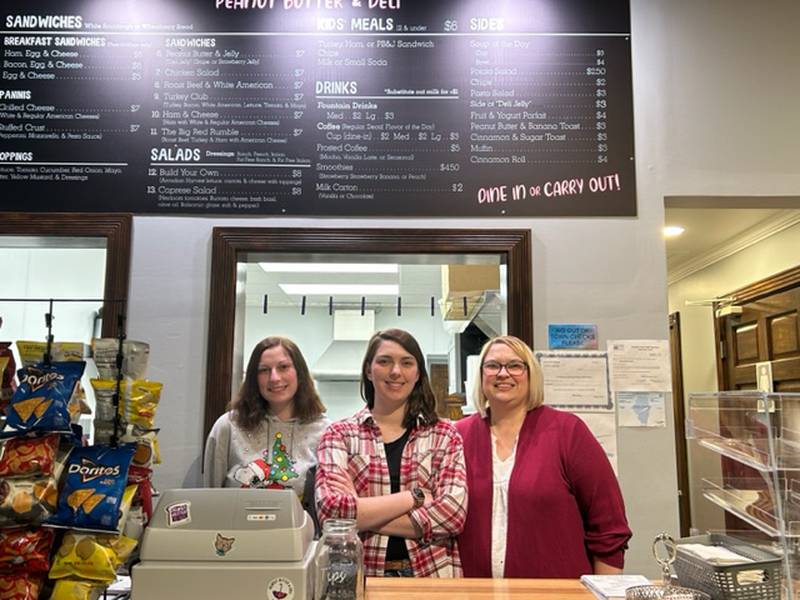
<point>419,496</point>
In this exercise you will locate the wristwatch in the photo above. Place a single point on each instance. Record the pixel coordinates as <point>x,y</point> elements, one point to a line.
<point>419,496</point>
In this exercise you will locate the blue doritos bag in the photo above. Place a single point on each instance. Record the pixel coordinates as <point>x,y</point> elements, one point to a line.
<point>41,402</point>
<point>94,482</point>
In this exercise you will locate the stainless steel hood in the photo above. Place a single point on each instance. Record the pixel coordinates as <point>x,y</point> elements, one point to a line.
<point>341,361</point>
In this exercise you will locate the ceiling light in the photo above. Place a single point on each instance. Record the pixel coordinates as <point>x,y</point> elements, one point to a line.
<point>339,289</point>
<point>671,231</point>
<point>285,267</point>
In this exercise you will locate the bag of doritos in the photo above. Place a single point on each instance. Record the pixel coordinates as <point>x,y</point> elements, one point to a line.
<point>93,487</point>
<point>40,403</point>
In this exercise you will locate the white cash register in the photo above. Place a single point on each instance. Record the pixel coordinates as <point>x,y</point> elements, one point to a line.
<point>215,544</point>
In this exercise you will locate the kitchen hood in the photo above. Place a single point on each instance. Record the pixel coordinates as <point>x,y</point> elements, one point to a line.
<point>341,360</point>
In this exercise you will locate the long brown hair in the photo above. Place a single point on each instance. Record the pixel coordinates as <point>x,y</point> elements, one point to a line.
<point>249,408</point>
<point>421,401</point>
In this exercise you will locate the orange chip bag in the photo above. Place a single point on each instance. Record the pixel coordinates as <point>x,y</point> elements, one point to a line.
<point>72,589</point>
<point>91,556</point>
<point>20,587</point>
<point>27,457</point>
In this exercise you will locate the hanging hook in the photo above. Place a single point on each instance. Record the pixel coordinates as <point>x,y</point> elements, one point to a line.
<point>303,306</point>
<point>266,303</point>
<point>330,306</point>
<point>399,306</point>
<point>432,305</point>
<point>363,305</point>
<point>48,321</point>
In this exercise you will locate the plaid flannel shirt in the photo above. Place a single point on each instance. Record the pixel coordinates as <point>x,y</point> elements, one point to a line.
<point>433,459</point>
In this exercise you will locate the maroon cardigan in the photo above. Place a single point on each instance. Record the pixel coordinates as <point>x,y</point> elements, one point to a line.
<point>565,507</point>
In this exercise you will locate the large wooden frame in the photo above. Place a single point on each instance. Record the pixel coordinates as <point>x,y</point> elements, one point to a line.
<point>116,228</point>
<point>230,242</point>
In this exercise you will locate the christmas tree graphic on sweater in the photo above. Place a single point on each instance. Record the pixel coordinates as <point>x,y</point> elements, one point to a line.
<point>263,474</point>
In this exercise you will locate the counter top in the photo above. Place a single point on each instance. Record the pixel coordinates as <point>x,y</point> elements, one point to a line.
<point>400,588</point>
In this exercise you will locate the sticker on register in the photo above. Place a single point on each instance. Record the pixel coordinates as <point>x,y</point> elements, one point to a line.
<point>223,545</point>
<point>179,514</point>
<point>280,588</point>
<point>262,517</point>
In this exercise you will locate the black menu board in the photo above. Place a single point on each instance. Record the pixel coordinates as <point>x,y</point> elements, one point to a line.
<point>317,107</point>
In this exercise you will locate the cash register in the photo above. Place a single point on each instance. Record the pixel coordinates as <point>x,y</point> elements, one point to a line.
<point>213,544</point>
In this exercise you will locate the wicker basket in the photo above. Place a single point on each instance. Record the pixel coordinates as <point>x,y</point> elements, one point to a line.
<point>721,582</point>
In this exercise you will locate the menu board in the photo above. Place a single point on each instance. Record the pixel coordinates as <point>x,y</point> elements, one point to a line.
<point>317,107</point>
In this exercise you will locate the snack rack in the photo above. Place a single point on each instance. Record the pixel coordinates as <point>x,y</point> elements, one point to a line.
<point>48,358</point>
<point>48,320</point>
<point>745,473</point>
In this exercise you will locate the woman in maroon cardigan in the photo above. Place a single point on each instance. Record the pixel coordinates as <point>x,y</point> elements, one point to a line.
<point>543,499</point>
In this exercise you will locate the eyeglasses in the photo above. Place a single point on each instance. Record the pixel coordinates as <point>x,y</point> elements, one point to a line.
<point>514,367</point>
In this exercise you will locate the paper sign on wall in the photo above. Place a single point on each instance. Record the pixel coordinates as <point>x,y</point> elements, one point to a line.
<point>639,365</point>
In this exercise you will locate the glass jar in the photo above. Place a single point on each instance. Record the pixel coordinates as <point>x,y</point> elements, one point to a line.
<point>339,562</point>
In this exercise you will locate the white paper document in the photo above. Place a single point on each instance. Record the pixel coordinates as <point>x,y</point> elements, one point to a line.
<point>641,409</point>
<point>575,380</point>
<point>639,365</point>
<point>604,428</point>
<point>608,587</point>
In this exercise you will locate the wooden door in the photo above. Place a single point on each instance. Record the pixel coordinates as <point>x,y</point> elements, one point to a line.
<point>439,383</point>
<point>767,329</point>
<point>679,417</point>
<point>763,326</point>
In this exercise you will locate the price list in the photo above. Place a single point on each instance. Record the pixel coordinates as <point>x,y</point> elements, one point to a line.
<point>359,108</point>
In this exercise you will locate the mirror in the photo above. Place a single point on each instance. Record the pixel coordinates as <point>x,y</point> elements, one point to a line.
<point>417,264</point>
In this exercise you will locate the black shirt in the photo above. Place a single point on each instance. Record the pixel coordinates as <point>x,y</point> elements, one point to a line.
<point>396,548</point>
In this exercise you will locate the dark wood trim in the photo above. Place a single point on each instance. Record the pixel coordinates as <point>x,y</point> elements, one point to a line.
<point>679,417</point>
<point>767,286</point>
<point>229,242</point>
<point>749,293</point>
<point>116,228</point>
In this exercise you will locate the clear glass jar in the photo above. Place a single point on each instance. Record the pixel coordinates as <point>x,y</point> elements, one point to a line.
<point>339,562</point>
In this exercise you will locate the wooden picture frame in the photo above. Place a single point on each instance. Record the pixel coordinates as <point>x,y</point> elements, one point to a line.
<point>229,243</point>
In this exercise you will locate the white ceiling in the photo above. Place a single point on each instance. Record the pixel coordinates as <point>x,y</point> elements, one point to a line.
<point>710,229</point>
<point>417,282</point>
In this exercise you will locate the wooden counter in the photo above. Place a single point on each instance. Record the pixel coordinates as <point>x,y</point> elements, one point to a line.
<point>401,588</point>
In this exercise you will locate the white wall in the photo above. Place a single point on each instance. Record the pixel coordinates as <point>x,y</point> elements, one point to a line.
<point>313,333</point>
<point>770,256</point>
<point>710,118</point>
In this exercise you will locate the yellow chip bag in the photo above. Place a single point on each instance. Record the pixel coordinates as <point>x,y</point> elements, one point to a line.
<point>71,589</point>
<point>32,353</point>
<point>91,556</point>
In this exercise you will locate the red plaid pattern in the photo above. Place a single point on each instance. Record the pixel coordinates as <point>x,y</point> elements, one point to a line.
<point>433,459</point>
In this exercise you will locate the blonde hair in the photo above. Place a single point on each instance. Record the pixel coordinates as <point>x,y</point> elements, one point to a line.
<point>534,371</point>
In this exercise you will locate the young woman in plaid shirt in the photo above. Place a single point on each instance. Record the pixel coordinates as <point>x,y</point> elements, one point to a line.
<point>395,467</point>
